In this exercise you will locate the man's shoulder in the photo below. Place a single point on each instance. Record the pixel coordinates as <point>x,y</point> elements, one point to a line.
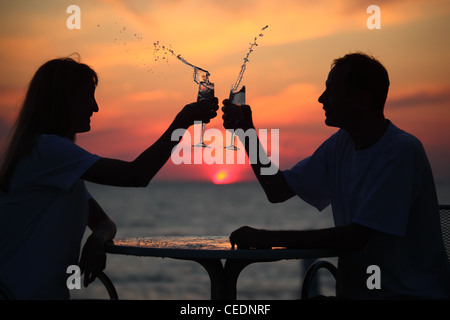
<point>401,136</point>
<point>400,141</point>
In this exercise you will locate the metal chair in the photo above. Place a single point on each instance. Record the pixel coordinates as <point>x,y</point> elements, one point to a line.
<point>309,275</point>
<point>109,286</point>
<point>444,213</point>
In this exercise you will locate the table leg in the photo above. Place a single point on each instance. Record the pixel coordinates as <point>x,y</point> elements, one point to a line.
<point>217,277</point>
<point>232,270</point>
<point>224,278</point>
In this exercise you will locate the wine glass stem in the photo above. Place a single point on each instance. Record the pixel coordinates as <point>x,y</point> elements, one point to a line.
<point>203,132</point>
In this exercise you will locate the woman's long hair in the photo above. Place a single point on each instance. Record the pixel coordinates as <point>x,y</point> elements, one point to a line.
<point>45,110</point>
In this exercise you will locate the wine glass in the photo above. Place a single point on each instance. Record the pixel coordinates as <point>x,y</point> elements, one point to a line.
<point>205,90</point>
<point>237,97</point>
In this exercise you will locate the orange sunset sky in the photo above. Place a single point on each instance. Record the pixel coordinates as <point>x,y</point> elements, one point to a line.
<point>138,97</point>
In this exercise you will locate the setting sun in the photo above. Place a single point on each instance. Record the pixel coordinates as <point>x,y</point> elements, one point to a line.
<point>221,177</point>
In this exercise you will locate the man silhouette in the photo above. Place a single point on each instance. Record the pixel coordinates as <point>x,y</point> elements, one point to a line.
<point>379,183</point>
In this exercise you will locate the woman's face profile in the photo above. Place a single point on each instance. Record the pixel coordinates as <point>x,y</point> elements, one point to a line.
<point>82,106</point>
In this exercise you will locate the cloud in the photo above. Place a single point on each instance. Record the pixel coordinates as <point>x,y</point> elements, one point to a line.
<point>217,26</point>
<point>421,98</point>
<point>11,96</point>
<point>5,128</point>
<point>297,103</point>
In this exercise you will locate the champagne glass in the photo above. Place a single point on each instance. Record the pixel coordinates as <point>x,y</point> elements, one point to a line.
<point>237,97</point>
<point>205,90</point>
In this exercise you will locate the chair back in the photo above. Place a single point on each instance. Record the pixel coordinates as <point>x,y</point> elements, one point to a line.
<point>444,213</point>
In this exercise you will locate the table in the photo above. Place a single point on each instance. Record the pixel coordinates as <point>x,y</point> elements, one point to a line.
<point>209,251</point>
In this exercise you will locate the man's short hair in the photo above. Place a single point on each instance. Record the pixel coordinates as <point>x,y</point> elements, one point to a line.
<point>364,72</point>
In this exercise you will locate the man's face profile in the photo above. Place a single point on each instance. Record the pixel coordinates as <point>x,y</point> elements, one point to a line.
<point>335,99</point>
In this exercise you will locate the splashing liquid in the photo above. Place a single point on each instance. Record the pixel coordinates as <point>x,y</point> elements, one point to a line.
<point>235,87</point>
<point>201,76</point>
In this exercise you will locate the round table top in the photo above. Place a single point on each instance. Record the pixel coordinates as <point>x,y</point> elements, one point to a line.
<point>205,247</point>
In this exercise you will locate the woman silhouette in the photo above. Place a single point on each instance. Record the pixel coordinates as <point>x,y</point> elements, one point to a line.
<point>44,204</point>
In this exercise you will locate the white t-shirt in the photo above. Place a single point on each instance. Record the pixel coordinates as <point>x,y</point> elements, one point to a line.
<point>388,187</point>
<point>43,218</point>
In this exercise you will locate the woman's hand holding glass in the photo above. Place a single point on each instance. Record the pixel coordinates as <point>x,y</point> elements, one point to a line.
<point>203,110</point>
